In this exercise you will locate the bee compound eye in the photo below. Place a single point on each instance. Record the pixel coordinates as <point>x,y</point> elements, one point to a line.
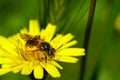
<point>51,51</point>
<point>45,46</point>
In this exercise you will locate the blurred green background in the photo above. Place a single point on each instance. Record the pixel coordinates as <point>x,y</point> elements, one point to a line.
<point>103,57</point>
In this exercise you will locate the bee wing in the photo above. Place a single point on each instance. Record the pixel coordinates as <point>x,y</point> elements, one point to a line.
<point>25,36</point>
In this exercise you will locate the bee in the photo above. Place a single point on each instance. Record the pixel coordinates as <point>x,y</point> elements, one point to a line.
<point>35,43</point>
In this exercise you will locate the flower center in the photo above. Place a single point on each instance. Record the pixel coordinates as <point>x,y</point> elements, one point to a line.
<point>37,49</point>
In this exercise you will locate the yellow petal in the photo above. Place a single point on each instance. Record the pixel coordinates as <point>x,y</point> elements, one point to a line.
<point>15,39</point>
<point>24,31</point>
<point>5,55</point>
<point>65,39</point>
<point>55,41</point>
<point>5,42</point>
<point>52,70</point>
<point>34,28</point>
<point>5,60</point>
<point>4,71</point>
<point>49,32</point>
<point>66,59</point>
<point>71,52</point>
<point>17,68</point>
<point>2,52</point>
<point>38,72</point>
<point>69,44</point>
<point>56,64</point>
<point>11,38</point>
<point>26,69</point>
<point>7,46</point>
<point>6,65</point>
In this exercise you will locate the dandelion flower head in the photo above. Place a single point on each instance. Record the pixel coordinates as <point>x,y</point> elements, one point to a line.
<point>36,50</point>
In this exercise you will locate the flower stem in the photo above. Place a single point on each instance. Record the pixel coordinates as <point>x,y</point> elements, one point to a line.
<point>87,36</point>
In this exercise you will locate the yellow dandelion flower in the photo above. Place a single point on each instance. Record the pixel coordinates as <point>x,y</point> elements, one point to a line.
<point>35,50</point>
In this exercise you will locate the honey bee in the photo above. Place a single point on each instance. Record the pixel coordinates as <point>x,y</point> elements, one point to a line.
<point>35,43</point>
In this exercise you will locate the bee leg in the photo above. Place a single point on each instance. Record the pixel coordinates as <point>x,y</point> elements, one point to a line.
<point>45,59</point>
